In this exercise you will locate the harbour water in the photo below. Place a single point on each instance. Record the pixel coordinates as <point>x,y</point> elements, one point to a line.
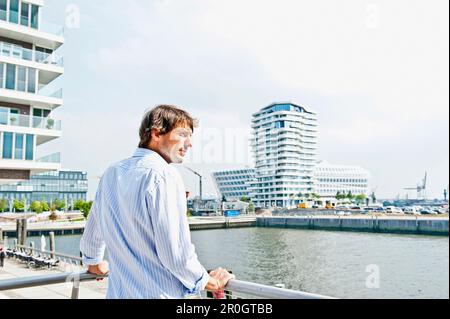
<point>338,264</point>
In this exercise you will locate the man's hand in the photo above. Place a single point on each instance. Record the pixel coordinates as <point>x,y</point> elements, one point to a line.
<point>218,279</point>
<point>101,269</point>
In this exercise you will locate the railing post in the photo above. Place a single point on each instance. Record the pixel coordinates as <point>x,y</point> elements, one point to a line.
<point>75,289</point>
<point>5,241</point>
<point>15,243</point>
<point>32,247</point>
<point>1,236</point>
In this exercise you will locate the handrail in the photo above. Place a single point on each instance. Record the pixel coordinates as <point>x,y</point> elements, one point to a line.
<point>77,277</point>
<point>269,292</point>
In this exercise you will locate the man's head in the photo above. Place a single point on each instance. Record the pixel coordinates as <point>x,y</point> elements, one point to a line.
<point>167,130</point>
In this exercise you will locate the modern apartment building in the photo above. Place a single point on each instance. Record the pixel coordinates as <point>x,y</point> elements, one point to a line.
<point>29,65</point>
<point>331,179</point>
<point>65,185</point>
<point>284,145</point>
<point>234,184</point>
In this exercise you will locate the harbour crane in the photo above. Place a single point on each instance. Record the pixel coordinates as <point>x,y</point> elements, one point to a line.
<point>200,180</point>
<point>421,188</point>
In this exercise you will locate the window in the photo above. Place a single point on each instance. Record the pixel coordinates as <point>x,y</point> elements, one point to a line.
<point>22,79</point>
<point>3,9</point>
<point>31,80</point>
<point>10,76</point>
<point>24,14</point>
<point>2,71</point>
<point>29,153</point>
<point>18,152</point>
<point>7,145</point>
<point>14,11</point>
<point>34,16</point>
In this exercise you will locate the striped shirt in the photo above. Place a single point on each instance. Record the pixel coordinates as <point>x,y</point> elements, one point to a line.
<point>139,216</point>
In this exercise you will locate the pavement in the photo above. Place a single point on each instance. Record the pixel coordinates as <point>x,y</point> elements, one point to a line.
<point>15,269</point>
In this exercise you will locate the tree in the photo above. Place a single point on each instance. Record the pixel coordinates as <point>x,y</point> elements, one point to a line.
<point>251,207</point>
<point>19,206</point>
<point>360,198</point>
<point>36,207</point>
<point>3,205</point>
<point>78,205</point>
<point>59,204</point>
<point>86,209</point>
<point>45,206</point>
<point>350,195</point>
<point>224,199</point>
<point>338,195</point>
<point>374,198</point>
<point>245,199</point>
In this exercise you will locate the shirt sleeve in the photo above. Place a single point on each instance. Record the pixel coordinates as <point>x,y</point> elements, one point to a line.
<point>92,245</point>
<point>172,235</point>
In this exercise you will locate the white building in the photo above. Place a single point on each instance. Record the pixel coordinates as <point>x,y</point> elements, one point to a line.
<point>234,184</point>
<point>331,179</point>
<point>29,64</point>
<point>284,145</point>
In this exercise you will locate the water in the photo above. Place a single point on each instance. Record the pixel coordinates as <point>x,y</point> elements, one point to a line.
<point>339,264</point>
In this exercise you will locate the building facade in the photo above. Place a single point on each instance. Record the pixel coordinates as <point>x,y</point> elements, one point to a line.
<point>67,186</point>
<point>331,179</point>
<point>29,65</point>
<point>234,184</point>
<point>284,145</point>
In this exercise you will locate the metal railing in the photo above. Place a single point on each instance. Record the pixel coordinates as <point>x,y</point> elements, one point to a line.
<point>43,26</point>
<point>16,51</point>
<point>69,259</point>
<point>29,121</point>
<point>247,288</point>
<point>53,158</point>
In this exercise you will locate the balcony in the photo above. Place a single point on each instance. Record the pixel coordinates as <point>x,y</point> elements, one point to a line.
<point>18,52</point>
<point>46,35</point>
<point>41,165</point>
<point>43,98</point>
<point>29,121</point>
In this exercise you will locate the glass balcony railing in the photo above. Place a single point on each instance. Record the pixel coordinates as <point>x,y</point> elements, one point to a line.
<point>45,91</point>
<point>53,158</point>
<point>46,27</point>
<point>16,51</point>
<point>29,121</point>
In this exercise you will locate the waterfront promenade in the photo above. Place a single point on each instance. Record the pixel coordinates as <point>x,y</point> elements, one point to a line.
<point>430,225</point>
<point>14,269</point>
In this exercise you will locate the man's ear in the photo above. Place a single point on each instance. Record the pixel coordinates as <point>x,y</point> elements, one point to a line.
<point>155,133</point>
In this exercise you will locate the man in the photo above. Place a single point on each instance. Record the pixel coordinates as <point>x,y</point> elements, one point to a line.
<point>139,214</point>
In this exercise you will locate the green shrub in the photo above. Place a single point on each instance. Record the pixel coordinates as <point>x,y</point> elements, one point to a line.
<point>36,207</point>
<point>3,205</point>
<point>19,206</point>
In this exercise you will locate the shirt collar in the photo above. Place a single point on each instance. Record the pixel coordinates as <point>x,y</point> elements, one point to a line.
<point>144,152</point>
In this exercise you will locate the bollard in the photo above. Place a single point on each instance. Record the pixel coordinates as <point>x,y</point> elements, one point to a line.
<point>52,244</point>
<point>18,230</point>
<point>24,232</point>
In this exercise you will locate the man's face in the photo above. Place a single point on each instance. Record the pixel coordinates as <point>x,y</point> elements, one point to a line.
<point>175,144</point>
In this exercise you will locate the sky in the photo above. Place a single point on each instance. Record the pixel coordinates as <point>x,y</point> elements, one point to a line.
<point>376,72</point>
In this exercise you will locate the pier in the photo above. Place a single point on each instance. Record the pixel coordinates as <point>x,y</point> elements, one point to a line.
<point>376,224</point>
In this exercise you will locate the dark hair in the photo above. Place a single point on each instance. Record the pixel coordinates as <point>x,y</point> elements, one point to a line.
<point>164,118</point>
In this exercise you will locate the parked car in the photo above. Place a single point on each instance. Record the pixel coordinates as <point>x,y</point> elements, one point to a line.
<point>410,211</point>
<point>393,210</point>
<point>427,211</point>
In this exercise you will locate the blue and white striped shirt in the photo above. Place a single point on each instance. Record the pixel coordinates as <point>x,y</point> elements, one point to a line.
<point>139,215</point>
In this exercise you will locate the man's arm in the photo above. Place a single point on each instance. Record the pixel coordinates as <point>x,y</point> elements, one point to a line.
<point>172,236</point>
<point>92,246</point>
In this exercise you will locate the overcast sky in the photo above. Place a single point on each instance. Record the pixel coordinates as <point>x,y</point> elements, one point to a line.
<point>376,72</point>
